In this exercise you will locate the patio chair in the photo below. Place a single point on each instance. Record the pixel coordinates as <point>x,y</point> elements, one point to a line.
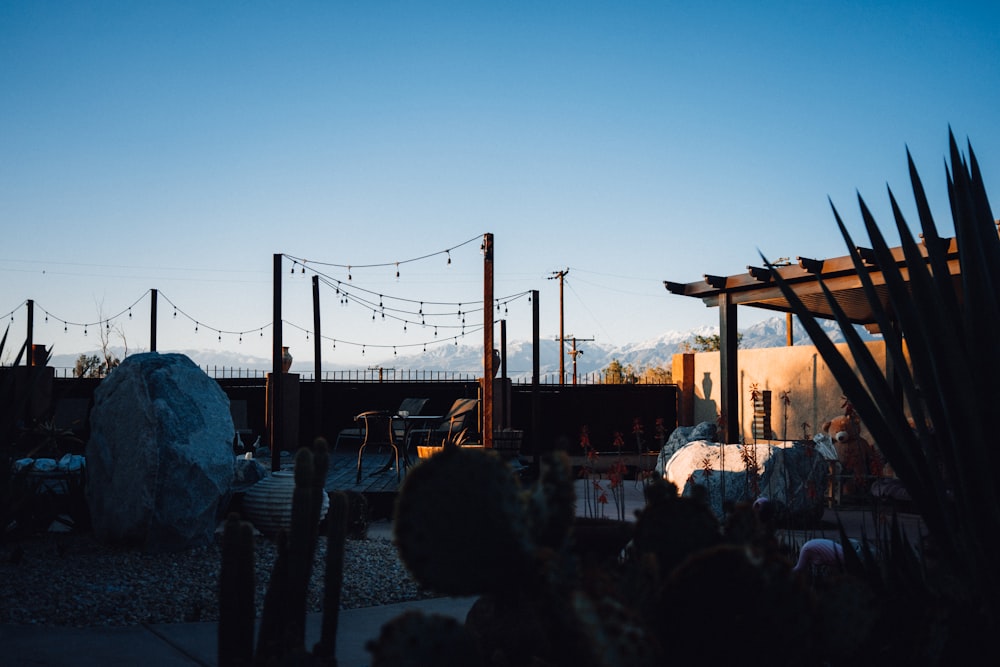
<point>453,428</point>
<point>378,430</point>
<point>411,406</point>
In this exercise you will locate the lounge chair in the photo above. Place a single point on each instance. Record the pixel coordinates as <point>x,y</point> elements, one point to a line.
<point>454,427</point>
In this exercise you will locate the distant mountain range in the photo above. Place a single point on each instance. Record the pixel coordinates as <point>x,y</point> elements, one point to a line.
<point>593,357</point>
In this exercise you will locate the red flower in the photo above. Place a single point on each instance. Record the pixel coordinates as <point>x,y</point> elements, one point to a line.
<point>603,499</point>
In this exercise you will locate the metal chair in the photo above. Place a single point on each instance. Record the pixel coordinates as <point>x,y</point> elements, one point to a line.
<point>411,406</point>
<point>378,430</point>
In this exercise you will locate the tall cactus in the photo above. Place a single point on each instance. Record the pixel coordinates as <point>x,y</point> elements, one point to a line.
<point>336,535</point>
<point>282,627</point>
<point>236,594</point>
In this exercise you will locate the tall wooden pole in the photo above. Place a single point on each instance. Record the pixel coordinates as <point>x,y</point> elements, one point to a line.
<point>536,363</point>
<point>276,402</point>
<point>487,434</point>
<point>562,336</point>
<point>29,337</point>
<point>318,356</point>
<point>152,320</point>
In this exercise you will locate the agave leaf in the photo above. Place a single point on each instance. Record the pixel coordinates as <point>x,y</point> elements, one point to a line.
<point>945,362</point>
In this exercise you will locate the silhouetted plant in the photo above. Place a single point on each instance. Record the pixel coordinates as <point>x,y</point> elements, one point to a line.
<point>939,326</point>
<point>281,638</point>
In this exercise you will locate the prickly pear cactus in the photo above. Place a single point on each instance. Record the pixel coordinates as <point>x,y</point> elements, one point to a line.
<point>460,524</point>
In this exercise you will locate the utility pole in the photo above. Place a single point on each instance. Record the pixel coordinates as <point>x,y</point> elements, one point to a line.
<point>574,353</point>
<point>562,338</point>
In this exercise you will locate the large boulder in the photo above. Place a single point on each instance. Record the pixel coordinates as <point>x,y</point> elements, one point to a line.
<point>793,476</point>
<point>160,464</point>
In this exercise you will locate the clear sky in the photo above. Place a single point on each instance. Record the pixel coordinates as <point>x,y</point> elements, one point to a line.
<point>180,146</point>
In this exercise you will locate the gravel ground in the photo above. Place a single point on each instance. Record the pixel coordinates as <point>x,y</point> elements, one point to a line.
<point>72,580</point>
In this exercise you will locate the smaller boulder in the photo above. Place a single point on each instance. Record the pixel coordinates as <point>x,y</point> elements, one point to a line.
<point>681,436</point>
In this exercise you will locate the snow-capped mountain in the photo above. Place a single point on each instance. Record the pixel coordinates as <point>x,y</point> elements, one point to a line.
<point>593,356</point>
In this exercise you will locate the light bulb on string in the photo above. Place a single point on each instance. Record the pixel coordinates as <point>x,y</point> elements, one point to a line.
<point>175,312</point>
<point>196,327</point>
<point>348,271</point>
<point>241,338</point>
<point>84,330</point>
<point>448,252</point>
<point>362,350</point>
<point>425,347</point>
<point>394,350</point>
<point>303,268</point>
<point>46,318</point>
<point>292,270</point>
<point>130,312</point>
<point>397,270</point>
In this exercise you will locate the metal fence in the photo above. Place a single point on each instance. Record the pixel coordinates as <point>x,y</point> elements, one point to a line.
<point>393,375</point>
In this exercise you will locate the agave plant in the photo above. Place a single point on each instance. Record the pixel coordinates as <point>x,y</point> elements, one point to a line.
<point>933,418</point>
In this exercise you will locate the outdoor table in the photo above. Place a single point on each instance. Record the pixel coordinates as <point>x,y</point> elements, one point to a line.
<point>409,421</point>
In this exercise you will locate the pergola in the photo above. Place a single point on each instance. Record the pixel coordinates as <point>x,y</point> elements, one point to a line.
<point>757,287</point>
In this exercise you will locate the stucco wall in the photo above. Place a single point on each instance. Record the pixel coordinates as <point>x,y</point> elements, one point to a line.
<point>797,371</point>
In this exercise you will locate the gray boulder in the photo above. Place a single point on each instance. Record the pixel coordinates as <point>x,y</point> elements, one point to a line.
<point>160,463</point>
<point>793,477</point>
<point>681,436</point>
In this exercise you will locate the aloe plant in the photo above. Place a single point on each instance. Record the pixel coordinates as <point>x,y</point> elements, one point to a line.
<point>936,429</point>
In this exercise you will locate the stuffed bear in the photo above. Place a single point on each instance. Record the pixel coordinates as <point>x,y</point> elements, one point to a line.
<point>857,457</point>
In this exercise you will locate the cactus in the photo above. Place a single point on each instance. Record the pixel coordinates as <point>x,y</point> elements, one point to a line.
<point>236,594</point>
<point>460,524</point>
<point>281,639</point>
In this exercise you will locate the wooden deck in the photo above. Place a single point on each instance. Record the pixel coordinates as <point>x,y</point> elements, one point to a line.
<point>342,475</point>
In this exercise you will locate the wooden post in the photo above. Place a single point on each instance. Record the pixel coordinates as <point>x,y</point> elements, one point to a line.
<point>536,350</point>
<point>152,320</point>
<point>729,369</point>
<point>29,339</point>
<point>318,363</point>
<point>487,429</point>
<point>276,403</point>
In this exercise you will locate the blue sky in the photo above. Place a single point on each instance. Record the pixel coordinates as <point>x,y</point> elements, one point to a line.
<point>179,146</point>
